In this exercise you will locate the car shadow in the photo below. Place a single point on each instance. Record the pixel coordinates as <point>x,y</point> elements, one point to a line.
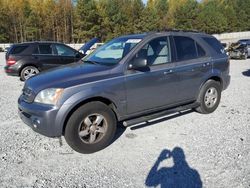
<point>179,175</point>
<point>246,73</point>
<point>119,131</point>
<point>164,118</point>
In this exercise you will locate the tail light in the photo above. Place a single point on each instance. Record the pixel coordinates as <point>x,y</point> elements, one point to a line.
<point>11,61</point>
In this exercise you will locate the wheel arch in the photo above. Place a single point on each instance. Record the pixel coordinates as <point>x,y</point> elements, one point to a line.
<point>215,78</point>
<point>104,100</point>
<point>26,65</point>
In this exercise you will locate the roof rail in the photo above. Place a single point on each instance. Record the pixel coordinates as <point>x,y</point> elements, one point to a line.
<point>179,30</point>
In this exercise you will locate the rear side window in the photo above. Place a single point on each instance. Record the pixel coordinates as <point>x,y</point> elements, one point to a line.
<point>201,52</point>
<point>18,49</point>
<point>45,49</point>
<point>215,44</point>
<point>185,48</point>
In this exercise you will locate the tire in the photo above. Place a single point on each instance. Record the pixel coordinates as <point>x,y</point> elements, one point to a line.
<point>209,97</point>
<point>28,72</point>
<point>94,119</point>
<point>245,56</point>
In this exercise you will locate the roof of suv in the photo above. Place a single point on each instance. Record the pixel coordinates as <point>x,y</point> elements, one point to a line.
<point>173,31</point>
<point>37,42</point>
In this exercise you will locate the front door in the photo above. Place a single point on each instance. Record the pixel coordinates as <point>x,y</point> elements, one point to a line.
<point>154,86</point>
<point>65,54</point>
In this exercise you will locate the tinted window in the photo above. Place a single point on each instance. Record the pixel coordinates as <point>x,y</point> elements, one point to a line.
<point>18,49</point>
<point>215,44</point>
<point>185,48</point>
<point>45,49</point>
<point>201,52</point>
<point>156,51</point>
<point>36,51</point>
<point>64,50</point>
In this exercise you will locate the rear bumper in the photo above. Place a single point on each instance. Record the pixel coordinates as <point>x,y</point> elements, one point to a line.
<point>11,70</point>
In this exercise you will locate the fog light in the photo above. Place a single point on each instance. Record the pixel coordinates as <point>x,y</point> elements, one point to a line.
<point>36,123</point>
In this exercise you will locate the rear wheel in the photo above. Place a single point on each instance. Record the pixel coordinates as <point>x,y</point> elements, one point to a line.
<point>91,128</point>
<point>28,72</point>
<point>209,97</point>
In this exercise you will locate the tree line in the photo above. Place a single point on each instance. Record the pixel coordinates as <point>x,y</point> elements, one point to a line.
<point>80,20</point>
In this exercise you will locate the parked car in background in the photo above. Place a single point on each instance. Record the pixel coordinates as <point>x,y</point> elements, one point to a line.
<point>90,46</point>
<point>238,50</point>
<point>247,42</point>
<point>1,49</point>
<point>131,79</point>
<point>6,49</point>
<point>28,59</point>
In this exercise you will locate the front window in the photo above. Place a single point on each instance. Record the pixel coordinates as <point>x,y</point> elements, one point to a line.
<point>156,52</point>
<point>64,50</point>
<point>112,52</point>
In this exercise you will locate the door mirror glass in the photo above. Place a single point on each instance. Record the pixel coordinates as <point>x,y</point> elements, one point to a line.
<point>138,63</point>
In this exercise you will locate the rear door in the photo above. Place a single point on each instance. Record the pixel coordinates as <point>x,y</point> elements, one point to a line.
<point>45,56</point>
<point>65,54</point>
<point>192,65</point>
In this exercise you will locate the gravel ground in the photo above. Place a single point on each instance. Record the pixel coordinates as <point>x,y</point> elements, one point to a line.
<point>213,149</point>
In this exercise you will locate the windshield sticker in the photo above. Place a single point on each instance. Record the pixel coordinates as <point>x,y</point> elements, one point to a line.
<point>133,41</point>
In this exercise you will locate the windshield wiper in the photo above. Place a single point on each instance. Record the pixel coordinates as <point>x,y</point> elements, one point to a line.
<point>91,62</point>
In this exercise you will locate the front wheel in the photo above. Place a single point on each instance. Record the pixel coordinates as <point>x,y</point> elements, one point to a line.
<point>91,128</point>
<point>209,97</point>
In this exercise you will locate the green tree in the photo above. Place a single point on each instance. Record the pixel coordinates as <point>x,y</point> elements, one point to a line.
<point>87,21</point>
<point>161,8</point>
<point>185,16</point>
<point>211,19</point>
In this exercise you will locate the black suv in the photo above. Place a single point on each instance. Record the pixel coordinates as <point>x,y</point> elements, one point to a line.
<point>27,59</point>
<point>130,79</point>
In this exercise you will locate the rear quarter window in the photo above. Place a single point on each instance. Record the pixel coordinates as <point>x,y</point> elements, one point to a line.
<point>215,44</point>
<point>187,48</point>
<point>18,49</point>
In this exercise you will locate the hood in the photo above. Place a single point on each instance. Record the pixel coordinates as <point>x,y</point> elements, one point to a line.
<point>67,76</point>
<point>88,45</point>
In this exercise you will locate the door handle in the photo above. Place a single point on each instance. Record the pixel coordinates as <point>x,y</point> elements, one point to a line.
<point>206,64</point>
<point>168,72</point>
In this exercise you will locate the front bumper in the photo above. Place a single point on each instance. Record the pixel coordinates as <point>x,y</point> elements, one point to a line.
<point>11,70</point>
<point>41,118</point>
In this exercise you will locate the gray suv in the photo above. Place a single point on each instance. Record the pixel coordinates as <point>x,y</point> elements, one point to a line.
<point>130,79</point>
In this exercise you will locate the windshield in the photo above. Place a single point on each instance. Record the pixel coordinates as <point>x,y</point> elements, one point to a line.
<point>112,52</point>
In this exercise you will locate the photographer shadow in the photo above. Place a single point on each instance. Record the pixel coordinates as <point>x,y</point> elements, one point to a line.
<point>246,73</point>
<point>178,176</point>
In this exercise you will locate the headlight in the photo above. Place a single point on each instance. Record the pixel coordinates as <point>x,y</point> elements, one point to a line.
<point>49,96</point>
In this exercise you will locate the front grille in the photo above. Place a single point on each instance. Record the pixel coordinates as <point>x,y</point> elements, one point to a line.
<point>28,95</point>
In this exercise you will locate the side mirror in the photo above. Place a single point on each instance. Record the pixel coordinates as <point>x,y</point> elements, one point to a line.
<point>138,63</point>
<point>78,55</point>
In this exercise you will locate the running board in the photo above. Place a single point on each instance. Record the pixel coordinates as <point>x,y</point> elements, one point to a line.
<point>146,118</point>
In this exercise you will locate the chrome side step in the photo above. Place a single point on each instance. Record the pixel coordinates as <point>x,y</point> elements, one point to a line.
<point>159,114</point>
